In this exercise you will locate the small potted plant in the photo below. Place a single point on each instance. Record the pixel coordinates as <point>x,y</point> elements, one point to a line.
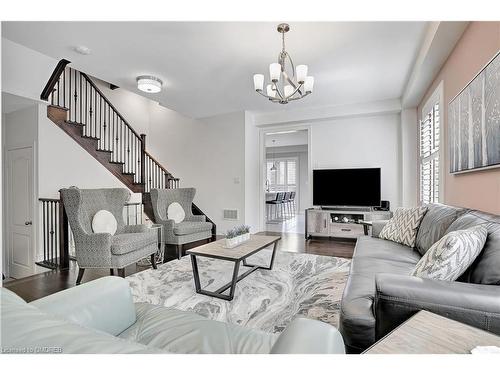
<point>231,239</point>
<point>237,236</point>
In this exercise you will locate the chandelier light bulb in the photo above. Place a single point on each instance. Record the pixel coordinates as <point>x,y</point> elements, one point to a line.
<point>274,71</point>
<point>301,73</point>
<point>289,90</point>
<point>271,91</point>
<point>258,82</point>
<point>309,84</point>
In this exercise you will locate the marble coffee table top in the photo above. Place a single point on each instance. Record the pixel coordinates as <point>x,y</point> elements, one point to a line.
<point>217,250</point>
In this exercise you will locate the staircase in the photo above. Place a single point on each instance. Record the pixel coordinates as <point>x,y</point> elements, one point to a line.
<point>79,108</point>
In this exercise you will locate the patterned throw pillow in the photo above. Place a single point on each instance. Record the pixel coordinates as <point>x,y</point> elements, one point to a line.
<point>403,227</point>
<point>449,257</point>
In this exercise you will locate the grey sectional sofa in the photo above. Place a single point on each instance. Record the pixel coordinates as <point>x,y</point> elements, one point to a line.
<point>380,295</point>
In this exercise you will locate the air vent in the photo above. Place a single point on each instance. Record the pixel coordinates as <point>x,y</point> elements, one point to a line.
<point>230,214</point>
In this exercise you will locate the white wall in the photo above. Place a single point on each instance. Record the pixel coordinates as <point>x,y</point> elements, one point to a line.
<point>208,154</point>
<point>252,174</point>
<point>361,142</point>
<point>409,157</point>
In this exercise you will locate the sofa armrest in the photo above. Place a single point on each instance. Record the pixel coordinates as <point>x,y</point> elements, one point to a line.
<point>307,336</point>
<point>398,297</point>
<point>104,304</point>
<point>377,226</point>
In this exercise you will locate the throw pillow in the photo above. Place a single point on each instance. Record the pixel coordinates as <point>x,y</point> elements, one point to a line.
<point>104,222</point>
<point>403,227</point>
<point>175,212</point>
<point>450,257</point>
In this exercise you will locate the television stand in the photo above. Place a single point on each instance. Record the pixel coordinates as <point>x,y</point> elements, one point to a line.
<point>341,222</point>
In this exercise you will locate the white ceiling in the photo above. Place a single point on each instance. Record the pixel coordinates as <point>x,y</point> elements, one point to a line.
<point>207,67</point>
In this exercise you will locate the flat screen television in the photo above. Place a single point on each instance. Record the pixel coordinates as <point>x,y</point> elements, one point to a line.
<point>346,187</point>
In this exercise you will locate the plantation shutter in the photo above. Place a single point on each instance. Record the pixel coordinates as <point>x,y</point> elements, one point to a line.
<point>429,156</point>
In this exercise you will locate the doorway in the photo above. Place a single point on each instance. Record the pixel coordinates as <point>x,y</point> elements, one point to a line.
<point>20,212</point>
<point>286,176</point>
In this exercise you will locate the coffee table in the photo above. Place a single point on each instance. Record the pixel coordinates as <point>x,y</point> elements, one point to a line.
<point>239,254</point>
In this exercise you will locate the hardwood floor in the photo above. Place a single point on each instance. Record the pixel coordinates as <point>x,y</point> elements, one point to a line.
<point>44,284</point>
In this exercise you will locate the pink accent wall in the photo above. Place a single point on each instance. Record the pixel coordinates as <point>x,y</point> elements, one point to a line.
<point>478,44</point>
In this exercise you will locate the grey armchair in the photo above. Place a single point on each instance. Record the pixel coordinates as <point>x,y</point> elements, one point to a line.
<point>192,228</point>
<point>128,245</point>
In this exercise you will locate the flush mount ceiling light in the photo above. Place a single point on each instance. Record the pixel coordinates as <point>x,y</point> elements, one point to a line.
<point>83,50</point>
<point>284,87</point>
<point>149,84</point>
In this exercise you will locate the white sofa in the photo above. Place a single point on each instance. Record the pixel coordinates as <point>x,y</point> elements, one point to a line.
<point>100,317</point>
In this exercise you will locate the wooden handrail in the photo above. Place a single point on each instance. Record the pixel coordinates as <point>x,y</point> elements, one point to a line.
<point>158,163</point>
<point>110,105</point>
<point>54,78</point>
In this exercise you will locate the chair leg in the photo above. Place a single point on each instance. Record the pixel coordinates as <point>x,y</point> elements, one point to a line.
<point>179,251</point>
<point>153,261</point>
<point>111,271</point>
<point>121,272</point>
<point>80,275</point>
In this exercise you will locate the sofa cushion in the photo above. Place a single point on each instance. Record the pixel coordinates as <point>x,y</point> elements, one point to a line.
<point>382,249</point>
<point>190,227</point>
<point>403,227</point>
<point>434,224</point>
<point>26,329</point>
<point>486,268</point>
<point>371,256</point>
<point>127,242</point>
<point>450,256</point>
<point>186,332</point>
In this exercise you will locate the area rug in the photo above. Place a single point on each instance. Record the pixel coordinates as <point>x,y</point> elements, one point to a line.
<point>299,284</point>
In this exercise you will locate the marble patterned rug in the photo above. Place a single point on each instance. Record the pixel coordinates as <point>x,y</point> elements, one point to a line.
<point>299,284</point>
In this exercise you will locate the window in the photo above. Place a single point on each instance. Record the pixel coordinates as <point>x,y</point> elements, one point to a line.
<point>284,178</point>
<point>429,153</point>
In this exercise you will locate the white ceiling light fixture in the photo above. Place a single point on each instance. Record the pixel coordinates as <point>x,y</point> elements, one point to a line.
<point>83,50</point>
<point>149,84</point>
<point>284,87</point>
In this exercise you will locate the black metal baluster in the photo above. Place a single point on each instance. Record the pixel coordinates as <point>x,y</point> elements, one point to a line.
<point>44,228</point>
<point>56,234</point>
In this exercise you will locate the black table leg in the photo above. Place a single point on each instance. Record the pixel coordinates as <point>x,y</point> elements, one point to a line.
<point>196,275</point>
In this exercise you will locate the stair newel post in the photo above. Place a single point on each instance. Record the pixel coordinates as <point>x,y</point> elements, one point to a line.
<point>63,235</point>
<point>143,160</point>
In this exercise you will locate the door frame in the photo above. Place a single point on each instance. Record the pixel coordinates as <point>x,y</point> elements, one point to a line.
<point>6,205</point>
<point>262,162</point>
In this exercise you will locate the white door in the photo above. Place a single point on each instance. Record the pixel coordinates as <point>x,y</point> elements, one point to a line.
<point>20,236</point>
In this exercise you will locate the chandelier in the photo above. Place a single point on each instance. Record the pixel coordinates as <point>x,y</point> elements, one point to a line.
<point>284,87</point>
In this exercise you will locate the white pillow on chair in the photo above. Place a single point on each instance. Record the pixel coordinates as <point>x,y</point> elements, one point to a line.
<point>104,222</point>
<point>175,212</point>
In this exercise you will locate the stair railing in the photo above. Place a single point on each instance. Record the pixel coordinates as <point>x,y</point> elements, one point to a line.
<point>88,107</point>
<point>157,177</point>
